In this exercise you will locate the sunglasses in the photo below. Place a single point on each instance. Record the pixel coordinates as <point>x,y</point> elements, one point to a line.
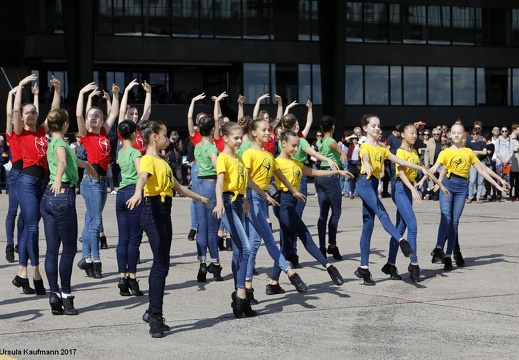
<point>436,134</point>
<point>504,131</point>
<point>426,134</point>
<point>319,136</point>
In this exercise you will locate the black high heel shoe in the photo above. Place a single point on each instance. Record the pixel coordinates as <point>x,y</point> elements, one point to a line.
<point>24,284</point>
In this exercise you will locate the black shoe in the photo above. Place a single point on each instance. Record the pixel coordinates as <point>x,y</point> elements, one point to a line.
<point>90,271</point>
<point>221,245</point>
<point>250,296</point>
<point>202,273</point>
<point>294,261</point>
<point>255,272</point>
<point>295,280</point>
<point>228,244</point>
<point>447,264</point>
<point>364,274</point>
<point>247,309</point>
<point>335,275</point>
<point>83,264</point>
<point>156,326</point>
<point>16,248</point>
<point>56,304</point>
<point>124,287</point>
<point>38,287</point>
<point>407,250</point>
<point>68,306</point>
<point>102,242</point>
<point>216,270</point>
<point>96,270</point>
<point>437,255</point>
<point>134,287</point>
<point>414,272</point>
<point>24,284</point>
<point>191,235</point>
<point>335,252</point>
<point>458,257</point>
<point>322,249</point>
<point>146,318</point>
<point>9,253</point>
<point>274,289</point>
<point>392,271</point>
<point>238,305</point>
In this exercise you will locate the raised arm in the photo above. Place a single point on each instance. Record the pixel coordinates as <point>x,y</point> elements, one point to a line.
<point>115,108</point>
<point>147,102</point>
<point>124,100</point>
<point>36,102</point>
<point>289,106</point>
<point>190,122</point>
<point>106,96</point>
<point>309,119</point>
<point>257,106</point>
<point>9,111</point>
<point>56,99</point>
<point>82,130</point>
<point>17,116</point>
<point>90,97</point>
<point>217,113</point>
<point>241,100</point>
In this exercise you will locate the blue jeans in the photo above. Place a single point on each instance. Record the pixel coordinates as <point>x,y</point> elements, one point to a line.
<point>156,222</point>
<point>300,206</point>
<point>475,177</point>
<point>130,231</point>
<point>258,228</point>
<point>10,219</point>
<point>343,179</point>
<point>234,220</point>
<point>60,225</point>
<point>405,218</point>
<point>207,222</point>
<point>371,207</point>
<point>194,182</point>
<point>291,225</point>
<point>94,193</point>
<point>30,190</point>
<point>451,208</point>
<point>329,196</point>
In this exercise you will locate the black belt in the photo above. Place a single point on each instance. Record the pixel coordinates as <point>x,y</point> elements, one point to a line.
<point>232,193</point>
<point>456,176</point>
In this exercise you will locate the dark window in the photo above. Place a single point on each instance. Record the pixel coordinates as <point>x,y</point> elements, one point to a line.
<point>376,85</point>
<point>375,22</point>
<point>439,86</point>
<point>395,76</point>
<point>414,23</point>
<point>414,85</point>
<point>354,29</point>
<point>439,24</point>
<point>256,19</point>
<point>354,85</point>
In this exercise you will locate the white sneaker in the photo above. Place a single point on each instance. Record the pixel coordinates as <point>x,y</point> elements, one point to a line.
<point>114,192</point>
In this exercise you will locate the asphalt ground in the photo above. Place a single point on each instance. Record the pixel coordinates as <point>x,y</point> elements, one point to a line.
<point>469,313</point>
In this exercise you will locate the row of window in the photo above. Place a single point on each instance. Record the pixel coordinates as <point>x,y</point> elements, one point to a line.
<point>433,86</point>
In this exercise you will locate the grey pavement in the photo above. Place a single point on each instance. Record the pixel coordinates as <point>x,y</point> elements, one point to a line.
<point>469,313</point>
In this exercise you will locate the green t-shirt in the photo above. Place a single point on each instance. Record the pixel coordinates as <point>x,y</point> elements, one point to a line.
<point>300,154</point>
<point>203,154</point>
<point>70,175</point>
<point>126,159</point>
<point>247,144</point>
<point>325,149</point>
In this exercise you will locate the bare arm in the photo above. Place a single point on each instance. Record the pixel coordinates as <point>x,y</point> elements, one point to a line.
<point>124,100</point>
<point>190,122</point>
<point>308,171</point>
<point>17,116</point>
<point>82,130</point>
<point>56,99</point>
<point>217,114</point>
<point>136,199</point>
<point>9,111</point>
<point>60,170</point>
<point>241,99</point>
<point>115,108</point>
<point>255,113</point>
<point>147,102</point>
<point>279,174</point>
<point>89,100</point>
<point>289,106</point>
<point>310,151</point>
<point>219,210</point>
<point>36,102</point>
<point>309,119</point>
<point>251,184</point>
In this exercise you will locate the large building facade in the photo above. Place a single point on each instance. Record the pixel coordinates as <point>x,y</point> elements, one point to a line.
<point>434,61</point>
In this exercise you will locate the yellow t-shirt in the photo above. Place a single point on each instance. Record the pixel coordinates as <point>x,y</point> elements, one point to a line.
<point>293,171</point>
<point>412,157</point>
<point>235,175</point>
<point>261,166</point>
<point>457,161</point>
<point>160,180</point>
<point>377,155</point>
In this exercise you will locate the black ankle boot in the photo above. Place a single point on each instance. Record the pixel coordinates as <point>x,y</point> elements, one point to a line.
<point>102,242</point>
<point>216,270</point>
<point>96,269</point>
<point>68,306</point>
<point>202,273</point>
<point>250,296</point>
<point>238,305</point>
<point>134,287</point>
<point>24,284</point>
<point>228,244</point>
<point>38,286</point>
<point>156,325</point>
<point>247,309</point>
<point>9,253</point>
<point>124,287</point>
<point>56,304</point>
<point>146,318</point>
<point>221,245</point>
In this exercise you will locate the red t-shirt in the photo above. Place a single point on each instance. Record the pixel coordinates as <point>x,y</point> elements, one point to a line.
<point>33,146</point>
<point>219,143</point>
<point>97,147</point>
<point>195,139</point>
<point>138,143</point>
<point>14,145</point>
<point>270,145</point>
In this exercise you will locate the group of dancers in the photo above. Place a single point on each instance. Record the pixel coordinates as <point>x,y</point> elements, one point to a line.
<point>231,184</point>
